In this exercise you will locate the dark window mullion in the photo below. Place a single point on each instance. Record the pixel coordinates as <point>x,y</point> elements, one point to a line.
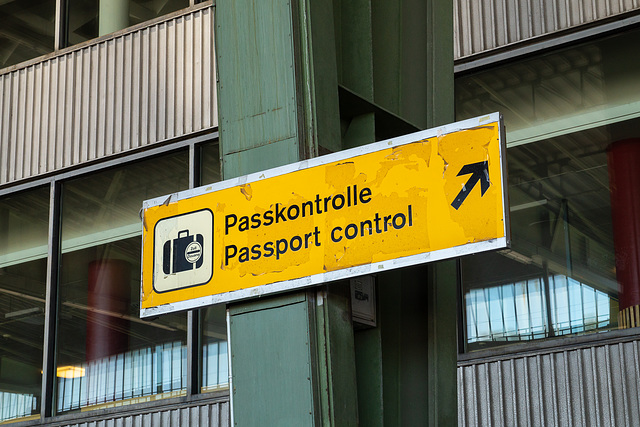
<point>51,304</point>
<point>193,318</point>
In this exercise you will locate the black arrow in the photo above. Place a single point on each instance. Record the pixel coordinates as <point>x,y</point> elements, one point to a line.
<point>479,172</point>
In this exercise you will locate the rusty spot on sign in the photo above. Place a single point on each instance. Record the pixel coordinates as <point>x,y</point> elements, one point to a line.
<point>247,191</point>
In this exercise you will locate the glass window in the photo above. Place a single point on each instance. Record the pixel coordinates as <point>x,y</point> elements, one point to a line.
<point>23,270</point>
<point>215,362</point>
<point>28,26</point>
<point>89,19</point>
<point>583,87</point>
<point>105,352</point>
<point>564,111</point>
<point>210,163</point>
<point>27,30</point>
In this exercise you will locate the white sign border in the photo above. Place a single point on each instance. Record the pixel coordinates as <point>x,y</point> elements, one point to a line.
<point>345,273</point>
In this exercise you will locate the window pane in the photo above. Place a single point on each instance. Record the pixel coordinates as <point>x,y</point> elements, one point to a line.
<point>566,115</point>
<point>559,276</point>
<point>105,352</point>
<point>575,89</point>
<point>143,10</point>
<point>210,164</point>
<point>27,30</point>
<point>23,269</point>
<point>215,362</point>
<point>82,21</point>
<point>85,22</point>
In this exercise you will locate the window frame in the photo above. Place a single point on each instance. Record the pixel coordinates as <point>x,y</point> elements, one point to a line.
<point>503,57</point>
<point>55,181</point>
<point>60,46</point>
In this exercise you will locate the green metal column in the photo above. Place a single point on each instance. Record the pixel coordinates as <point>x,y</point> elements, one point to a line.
<point>292,356</point>
<point>257,88</point>
<point>442,342</point>
<point>272,362</point>
<point>113,15</point>
<point>295,358</point>
<point>407,365</point>
<point>401,61</point>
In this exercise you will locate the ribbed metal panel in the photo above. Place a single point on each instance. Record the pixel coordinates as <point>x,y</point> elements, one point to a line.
<point>131,90</point>
<point>481,25</point>
<point>205,415</point>
<point>595,386</point>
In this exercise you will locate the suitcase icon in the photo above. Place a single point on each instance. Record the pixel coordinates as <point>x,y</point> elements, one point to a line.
<point>182,253</point>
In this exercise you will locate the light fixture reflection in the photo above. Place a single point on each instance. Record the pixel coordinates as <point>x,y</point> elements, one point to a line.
<point>70,372</point>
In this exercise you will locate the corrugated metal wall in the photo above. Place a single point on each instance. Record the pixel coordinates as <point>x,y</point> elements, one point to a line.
<point>128,91</point>
<point>594,386</point>
<point>481,25</point>
<point>210,414</point>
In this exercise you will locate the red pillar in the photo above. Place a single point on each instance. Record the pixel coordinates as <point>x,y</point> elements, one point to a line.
<point>624,182</point>
<point>108,298</point>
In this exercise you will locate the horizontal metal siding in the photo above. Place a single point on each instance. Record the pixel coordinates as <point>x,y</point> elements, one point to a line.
<point>125,92</point>
<point>205,415</point>
<point>596,386</point>
<point>481,25</point>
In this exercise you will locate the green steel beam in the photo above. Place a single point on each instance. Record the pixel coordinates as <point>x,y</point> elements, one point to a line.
<point>257,91</point>
<point>272,373</point>
<point>292,356</point>
<point>279,68</point>
<point>318,69</point>
<point>442,343</point>
<point>406,366</point>
<point>336,356</point>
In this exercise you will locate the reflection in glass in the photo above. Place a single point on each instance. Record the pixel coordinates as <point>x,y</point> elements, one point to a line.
<point>564,111</point>
<point>215,363</point>
<point>561,92</point>
<point>27,30</point>
<point>23,269</point>
<point>210,163</point>
<point>105,352</point>
<point>520,311</point>
<point>559,276</point>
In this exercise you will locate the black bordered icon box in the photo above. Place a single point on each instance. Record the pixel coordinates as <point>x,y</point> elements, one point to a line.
<point>183,251</point>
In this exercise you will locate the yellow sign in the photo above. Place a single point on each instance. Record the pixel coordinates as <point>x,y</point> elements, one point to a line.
<point>419,198</point>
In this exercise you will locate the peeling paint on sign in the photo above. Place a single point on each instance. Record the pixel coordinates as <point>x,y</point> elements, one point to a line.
<point>408,200</point>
